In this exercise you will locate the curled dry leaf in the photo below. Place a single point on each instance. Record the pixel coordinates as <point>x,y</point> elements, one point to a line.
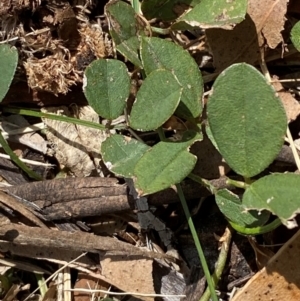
<point>291,105</point>
<point>75,145</point>
<point>269,18</point>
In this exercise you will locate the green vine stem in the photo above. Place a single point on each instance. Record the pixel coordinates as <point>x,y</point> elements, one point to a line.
<point>220,263</point>
<point>16,159</point>
<point>256,230</point>
<point>197,243</point>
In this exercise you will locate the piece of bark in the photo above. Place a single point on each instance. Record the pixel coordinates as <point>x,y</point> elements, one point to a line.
<point>59,190</point>
<point>14,236</point>
<point>12,203</point>
<point>47,253</point>
<point>11,172</point>
<point>81,197</point>
<point>86,207</point>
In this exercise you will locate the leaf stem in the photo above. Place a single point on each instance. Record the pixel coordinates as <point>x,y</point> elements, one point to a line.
<point>41,284</point>
<point>135,5</point>
<point>161,134</point>
<point>220,263</point>
<point>34,113</point>
<point>16,159</point>
<point>197,243</point>
<point>205,183</point>
<point>256,230</point>
<point>238,184</point>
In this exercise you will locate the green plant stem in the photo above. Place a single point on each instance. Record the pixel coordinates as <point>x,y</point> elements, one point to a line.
<point>197,243</point>
<point>135,5</point>
<point>16,159</point>
<point>41,284</point>
<point>26,112</point>
<point>161,134</point>
<point>203,182</point>
<point>256,230</point>
<point>162,31</point>
<point>238,184</point>
<point>220,263</point>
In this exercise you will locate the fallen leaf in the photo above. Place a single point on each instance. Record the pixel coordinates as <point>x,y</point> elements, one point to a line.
<point>137,272</point>
<point>279,280</point>
<point>74,145</point>
<point>269,18</point>
<point>85,281</point>
<point>291,105</point>
<point>232,46</point>
<point>265,20</point>
<point>210,164</point>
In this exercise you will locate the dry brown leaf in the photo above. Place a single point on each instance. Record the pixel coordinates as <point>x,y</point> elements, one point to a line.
<point>264,18</point>
<point>275,21</point>
<point>210,164</point>
<point>291,105</point>
<point>232,46</point>
<point>73,144</point>
<point>85,281</point>
<point>129,275</point>
<point>279,280</point>
<point>262,254</point>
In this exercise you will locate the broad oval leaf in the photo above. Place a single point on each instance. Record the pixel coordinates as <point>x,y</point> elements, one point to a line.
<point>231,206</point>
<point>277,193</point>
<point>222,14</point>
<point>107,87</point>
<point>166,10</point>
<point>120,154</point>
<point>124,29</point>
<point>165,164</point>
<point>246,118</point>
<point>161,54</point>
<point>156,101</point>
<point>8,65</point>
<point>295,35</point>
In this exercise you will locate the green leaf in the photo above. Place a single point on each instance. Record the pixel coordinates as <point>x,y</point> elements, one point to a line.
<point>165,164</point>
<point>246,118</point>
<point>231,206</point>
<point>107,87</point>
<point>166,10</point>
<point>120,154</point>
<point>277,193</point>
<point>8,65</point>
<point>124,29</point>
<point>222,14</point>
<point>159,9</point>
<point>156,101</point>
<point>161,54</point>
<point>295,35</point>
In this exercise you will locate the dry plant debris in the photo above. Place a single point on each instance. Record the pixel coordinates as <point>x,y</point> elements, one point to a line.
<point>291,105</point>
<point>265,20</point>
<point>279,279</point>
<point>76,147</point>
